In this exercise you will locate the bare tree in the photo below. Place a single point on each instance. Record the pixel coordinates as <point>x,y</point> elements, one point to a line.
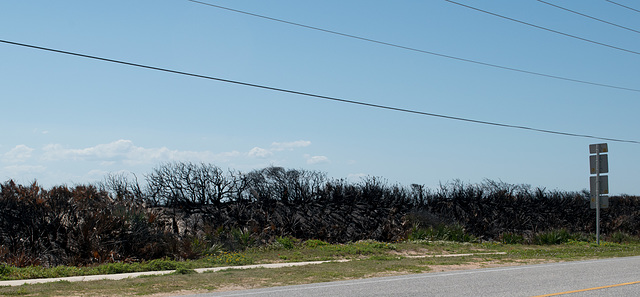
<point>120,186</point>
<point>287,186</point>
<point>183,184</point>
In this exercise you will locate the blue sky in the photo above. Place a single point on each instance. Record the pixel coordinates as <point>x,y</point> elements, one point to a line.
<point>70,120</point>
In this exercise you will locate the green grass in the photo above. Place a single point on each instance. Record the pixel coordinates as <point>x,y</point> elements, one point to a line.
<point>576,250</point>
<point>222,259</point>
<point>286,248</point>
<point>367,259</point>
<point>316,250</point>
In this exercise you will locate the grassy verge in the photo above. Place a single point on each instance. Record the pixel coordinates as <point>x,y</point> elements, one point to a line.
<point>367,259</point>
<point>222,259</point>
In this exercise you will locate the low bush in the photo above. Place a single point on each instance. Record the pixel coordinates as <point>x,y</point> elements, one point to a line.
<point>286,242</point>
<point>511,238</point>
<point>552,237</point>
<point>442,232</point>
<point>313,243</point>
<point>226,258</point>
<point>5,270</point>
<point>184,270</point>
<point>622,237</point>
<point>160,264</point>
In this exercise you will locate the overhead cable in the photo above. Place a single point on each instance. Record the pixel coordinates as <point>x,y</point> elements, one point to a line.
<point>546,29</point>
<point>627,7</point>
<point>419,50</point>
<point>320,96</point>
<point>588,16</point>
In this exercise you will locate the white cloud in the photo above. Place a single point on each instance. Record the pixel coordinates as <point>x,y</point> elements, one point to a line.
<point>38,131</point>
<point>257,152</point>
<point>316,159</point>
<point>126,152</point>
<point>87,163</point>
<point>96,173</point>
<point>15,170</point>
<point>281,146</point>
<point>18,154</point>
<point>356,176</point>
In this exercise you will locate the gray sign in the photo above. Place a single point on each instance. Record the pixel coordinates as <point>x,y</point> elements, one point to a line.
<point>604,163</point>
<point>603,187</point>
<point>604,202</point>
<point>598,148</point>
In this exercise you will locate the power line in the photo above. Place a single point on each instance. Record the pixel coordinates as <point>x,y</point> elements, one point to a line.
<point>588,16</point>
<point>627,7</point>
<point>419,50</point>
<point>544,28</point>
<point>386,107</point>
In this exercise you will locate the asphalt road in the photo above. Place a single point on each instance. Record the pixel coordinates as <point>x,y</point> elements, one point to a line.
<point>608,277</point>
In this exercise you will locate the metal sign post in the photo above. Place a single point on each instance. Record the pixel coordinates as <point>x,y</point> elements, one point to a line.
<point>599,184</point>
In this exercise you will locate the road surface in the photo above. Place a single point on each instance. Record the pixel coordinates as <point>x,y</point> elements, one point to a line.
<point>608,277</point>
